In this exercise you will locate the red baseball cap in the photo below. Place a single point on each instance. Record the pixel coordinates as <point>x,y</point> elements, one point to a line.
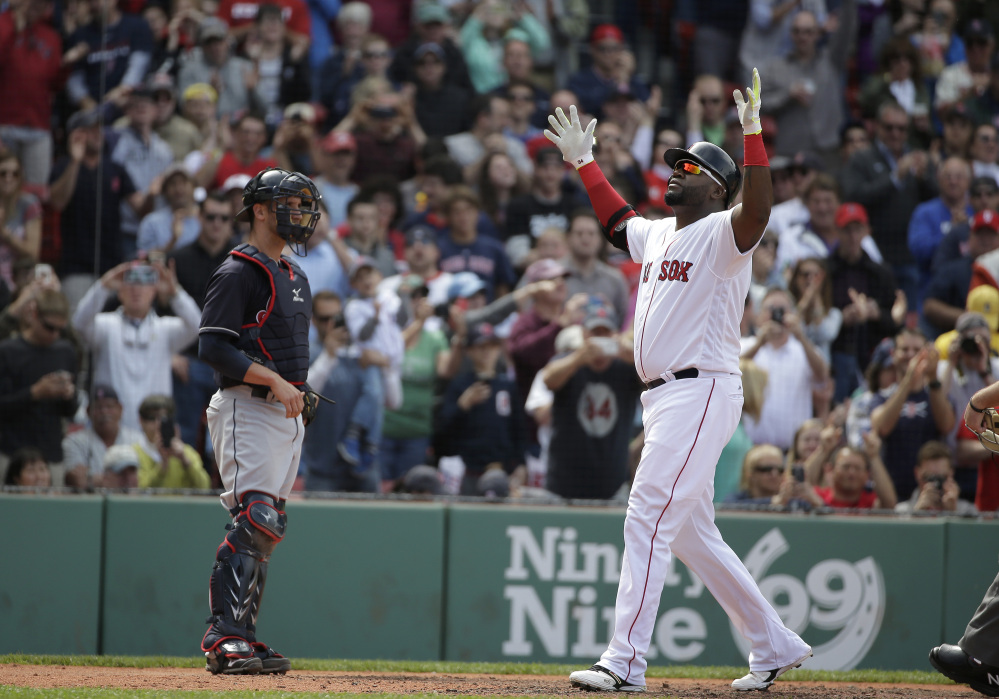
<point>602,32</point>
<point>850,213</point>
<point>339,140</point>
<point>986,218</point>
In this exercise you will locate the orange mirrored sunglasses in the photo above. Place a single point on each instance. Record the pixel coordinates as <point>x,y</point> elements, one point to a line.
<point>695,169</point>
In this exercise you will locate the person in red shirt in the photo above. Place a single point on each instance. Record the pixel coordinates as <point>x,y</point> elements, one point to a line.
<point>30,75</point>
<point>249,136</point>
<point>851,470</point>
<point>240,15</point>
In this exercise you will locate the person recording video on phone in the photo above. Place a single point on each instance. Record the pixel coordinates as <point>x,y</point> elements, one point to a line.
<point>132,345</point>
<point>971,365</point>
<point>781,347</point>
<point>936,490</point>
<point>593,412</point>
<point>164,460</point>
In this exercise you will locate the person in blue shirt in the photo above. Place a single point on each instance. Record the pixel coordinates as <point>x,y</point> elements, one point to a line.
<point>464,250</point>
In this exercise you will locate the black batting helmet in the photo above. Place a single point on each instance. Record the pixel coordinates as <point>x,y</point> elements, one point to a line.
<point>275,184</point>
<point>710,156</point>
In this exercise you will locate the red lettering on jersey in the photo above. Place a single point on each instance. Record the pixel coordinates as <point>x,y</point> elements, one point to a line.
<point>674,270</point>
<point>592,411</point>
<point>645,275</point>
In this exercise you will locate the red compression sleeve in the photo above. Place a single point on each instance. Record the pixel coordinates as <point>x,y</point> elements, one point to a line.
<point>605,200</point>
<point>754,152</point>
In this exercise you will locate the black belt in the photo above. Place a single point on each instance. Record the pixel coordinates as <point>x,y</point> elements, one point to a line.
<point>256,390</point>
<point>682,374</point>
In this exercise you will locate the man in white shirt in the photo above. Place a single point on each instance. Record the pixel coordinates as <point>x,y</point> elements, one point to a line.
<point>132,345</point>
<point>792,364</point>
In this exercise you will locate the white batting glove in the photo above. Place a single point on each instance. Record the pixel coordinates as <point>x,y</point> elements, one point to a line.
<point>749,110</point>
<point>575,143</point>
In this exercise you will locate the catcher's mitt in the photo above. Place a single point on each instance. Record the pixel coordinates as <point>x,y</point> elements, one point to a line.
<point>311,405</point>
<point>990,426</point>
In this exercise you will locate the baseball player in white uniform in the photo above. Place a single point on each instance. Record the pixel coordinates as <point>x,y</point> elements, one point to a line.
<point>696,272</point>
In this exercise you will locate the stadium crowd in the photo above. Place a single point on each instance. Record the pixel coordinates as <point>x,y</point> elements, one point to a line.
<point>469,318</point>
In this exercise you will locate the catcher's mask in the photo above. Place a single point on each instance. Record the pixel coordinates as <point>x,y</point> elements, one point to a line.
<point>295,224</point>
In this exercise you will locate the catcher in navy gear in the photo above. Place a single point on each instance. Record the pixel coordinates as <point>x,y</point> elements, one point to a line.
<point>255,334</point>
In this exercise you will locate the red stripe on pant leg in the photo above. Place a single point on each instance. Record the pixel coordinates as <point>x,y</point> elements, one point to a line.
<point>634,651</point>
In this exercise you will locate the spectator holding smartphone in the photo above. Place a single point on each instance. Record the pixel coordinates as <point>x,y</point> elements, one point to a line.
<point>936,490</point>
<point>164,460</point>
<point>593,412</point>
<point>782,348</point>
<point>132,346</point>
<point>37,379</point>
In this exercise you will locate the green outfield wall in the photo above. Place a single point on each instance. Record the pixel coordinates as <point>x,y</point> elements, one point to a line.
<point>427,581</point>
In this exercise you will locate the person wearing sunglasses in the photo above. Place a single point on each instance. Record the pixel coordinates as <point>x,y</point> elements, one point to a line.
<point>193,379</point>
<point>762,473</point>
<point>696,273</point>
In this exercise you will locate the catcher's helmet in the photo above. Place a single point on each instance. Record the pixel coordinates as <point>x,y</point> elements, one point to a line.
<point>713,158</point>
<point>275,184</point>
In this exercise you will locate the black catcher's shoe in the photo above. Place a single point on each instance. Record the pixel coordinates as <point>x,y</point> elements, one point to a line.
<point>232,656</point>
<point>271,661</point>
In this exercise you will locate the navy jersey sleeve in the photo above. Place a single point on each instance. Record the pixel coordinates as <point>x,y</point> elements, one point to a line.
<point>229,299</point>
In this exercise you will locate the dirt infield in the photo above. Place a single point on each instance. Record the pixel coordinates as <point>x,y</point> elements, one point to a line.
<point>51,676</point>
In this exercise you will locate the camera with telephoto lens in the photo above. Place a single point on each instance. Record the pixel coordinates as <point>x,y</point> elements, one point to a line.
<point>969,345</point>
<point>777,315</point>
<point>443,310</point>
<point>938,481</point>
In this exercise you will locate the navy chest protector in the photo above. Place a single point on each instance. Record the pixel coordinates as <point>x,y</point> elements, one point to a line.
<point>279,337</point>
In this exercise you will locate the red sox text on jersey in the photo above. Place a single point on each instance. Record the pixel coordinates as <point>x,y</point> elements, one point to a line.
<point>671,270</point>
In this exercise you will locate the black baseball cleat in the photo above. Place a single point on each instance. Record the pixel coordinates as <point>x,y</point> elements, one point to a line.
<point>601,679</point>
<point>954,663</point>
<point>232,656</point>
<point>272,662</point>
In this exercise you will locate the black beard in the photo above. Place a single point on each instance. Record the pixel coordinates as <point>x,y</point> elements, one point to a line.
<point>685,197</point>
<point>672,199</point>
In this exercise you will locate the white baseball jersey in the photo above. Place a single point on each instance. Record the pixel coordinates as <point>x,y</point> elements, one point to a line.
<point>691,296</point>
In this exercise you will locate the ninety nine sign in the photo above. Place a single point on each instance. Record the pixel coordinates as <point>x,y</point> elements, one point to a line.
<point>558,585</point>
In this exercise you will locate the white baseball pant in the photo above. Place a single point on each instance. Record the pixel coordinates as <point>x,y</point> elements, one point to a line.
<point>687,423</point>
<point>256,446</point>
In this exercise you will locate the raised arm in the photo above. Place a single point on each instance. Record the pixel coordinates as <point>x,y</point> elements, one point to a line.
<point>750,218</point>
<point>576,145</point>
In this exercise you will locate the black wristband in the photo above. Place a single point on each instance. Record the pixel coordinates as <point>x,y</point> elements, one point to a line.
<point>972,406</point>
<point>934,384</point>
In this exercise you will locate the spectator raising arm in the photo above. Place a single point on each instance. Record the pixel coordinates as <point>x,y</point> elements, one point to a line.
<point>883,486</point>
<point>921,370</point>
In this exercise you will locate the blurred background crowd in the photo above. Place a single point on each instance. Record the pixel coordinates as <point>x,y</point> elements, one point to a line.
<point>469,319</point>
